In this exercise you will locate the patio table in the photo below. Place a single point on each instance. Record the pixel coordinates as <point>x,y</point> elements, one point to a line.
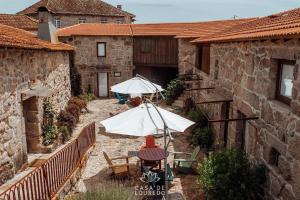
<point>152,154</point>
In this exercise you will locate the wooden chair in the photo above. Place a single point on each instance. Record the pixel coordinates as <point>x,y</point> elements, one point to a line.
<point>122,100</point>
<point>118,169</point>
<point>185,164</point>
<point>150,142</point>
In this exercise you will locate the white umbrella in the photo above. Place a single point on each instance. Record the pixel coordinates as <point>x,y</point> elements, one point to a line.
<point>148,119</point>
<point>145,120</point>
<point>136,85</point>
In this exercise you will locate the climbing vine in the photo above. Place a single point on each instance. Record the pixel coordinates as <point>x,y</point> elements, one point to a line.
<point>49,128</point>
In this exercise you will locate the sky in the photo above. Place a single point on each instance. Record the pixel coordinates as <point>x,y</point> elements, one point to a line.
<point>152,11</point>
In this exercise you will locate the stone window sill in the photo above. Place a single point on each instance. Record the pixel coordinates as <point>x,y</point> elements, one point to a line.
<point>281,106</point>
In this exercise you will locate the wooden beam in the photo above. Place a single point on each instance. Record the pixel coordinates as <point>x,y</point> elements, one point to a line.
<point>215,101</point>
<point>232,120</point>
<point>206,88</point>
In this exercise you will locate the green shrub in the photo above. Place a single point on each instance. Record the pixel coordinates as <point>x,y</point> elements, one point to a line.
<point>107,192</point>
<point>49,129</point>
<point>64,132</point>
<point>66,119</point>
<point>202,137</point>
<point>87,97</point>
<point>81,103</point>
<point>74,109</point>
<point>49,134</point>
<point>200,116</point>
<point>174,90</point>
<point>228,175</point>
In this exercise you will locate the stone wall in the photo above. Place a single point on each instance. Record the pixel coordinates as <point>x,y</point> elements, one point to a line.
<point>119,53</point>
<point>186,56</point>
<point>70,20</point>
<point>52,69</point>
<point>246,72</point>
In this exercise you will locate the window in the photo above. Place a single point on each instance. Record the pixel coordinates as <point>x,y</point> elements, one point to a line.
<point>81,20</point>
<point>274,157</point>
<point>104,20</point>
<point>204,59</point>
<point>57,22</point>
<point>101,49</point>
<point>285,78</point>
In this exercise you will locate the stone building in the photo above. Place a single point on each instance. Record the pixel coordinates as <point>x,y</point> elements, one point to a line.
<point>103,55</point>
<point>71,12</point>
<point>252,70</point>
<point>107,54</point>
<point>41,70</point>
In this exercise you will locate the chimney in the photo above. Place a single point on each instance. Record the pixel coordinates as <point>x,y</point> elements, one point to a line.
<point>46,29</point>
<point>119,7</point>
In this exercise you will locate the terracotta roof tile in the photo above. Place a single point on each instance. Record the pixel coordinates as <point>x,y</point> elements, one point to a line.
<point>18,38</point>
<point>96,29</point>
<point>83,7</point>
<point>19,21</point>
<point>279,25</point>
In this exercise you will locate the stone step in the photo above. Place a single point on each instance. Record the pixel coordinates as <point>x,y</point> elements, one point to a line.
<point>178,103</point>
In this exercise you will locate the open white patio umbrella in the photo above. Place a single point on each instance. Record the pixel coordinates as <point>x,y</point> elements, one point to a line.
<point>137,85</point>
<point>147,119</point>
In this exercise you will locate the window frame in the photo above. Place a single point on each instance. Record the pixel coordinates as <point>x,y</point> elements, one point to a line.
<point>100,56</point>
<point>278,96</point>
<point>202,50</point>
<point>81,20</point>
<point>56,24</point>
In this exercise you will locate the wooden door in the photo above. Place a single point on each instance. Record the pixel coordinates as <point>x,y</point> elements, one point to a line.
<point>103,84</point>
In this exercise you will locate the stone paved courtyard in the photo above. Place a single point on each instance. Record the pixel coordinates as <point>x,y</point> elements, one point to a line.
<point>96,171</point>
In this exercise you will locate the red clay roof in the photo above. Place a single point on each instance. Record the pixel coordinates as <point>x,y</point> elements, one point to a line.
<point>284,24</point>
<point>95,29</point>
<point>18,38</point>
<point>19,21</point>
<point>211,27</point>
<point>79,7</point>
<point>162,29</point>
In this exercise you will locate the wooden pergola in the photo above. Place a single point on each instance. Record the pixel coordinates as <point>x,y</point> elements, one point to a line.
<point>215,98</point>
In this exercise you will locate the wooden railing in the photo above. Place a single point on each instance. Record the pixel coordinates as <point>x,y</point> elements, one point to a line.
<point>46,180</point>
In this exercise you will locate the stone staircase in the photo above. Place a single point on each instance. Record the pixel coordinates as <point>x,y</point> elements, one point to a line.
<point>179,102</point>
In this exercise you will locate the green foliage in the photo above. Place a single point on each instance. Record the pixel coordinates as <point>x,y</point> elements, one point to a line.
<point>174,90</point>
<point>49,128</point>
<point>66,119</point>
<point>228,175</point>
<point>200,116</point>
<point>87,97</point>
<point>107,192</point>
<point>65,133</point>
<point>202,137</point>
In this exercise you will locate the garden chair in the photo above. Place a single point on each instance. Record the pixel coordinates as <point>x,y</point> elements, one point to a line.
<point>122,100</point>
<point>118,169</point>
<point>185,164</point>
<point>150,142</point>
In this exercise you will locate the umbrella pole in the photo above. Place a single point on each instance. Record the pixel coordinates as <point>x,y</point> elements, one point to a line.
<point>166,162</point>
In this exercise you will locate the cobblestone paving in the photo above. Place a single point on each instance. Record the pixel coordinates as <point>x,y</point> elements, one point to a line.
<point>96,171</point>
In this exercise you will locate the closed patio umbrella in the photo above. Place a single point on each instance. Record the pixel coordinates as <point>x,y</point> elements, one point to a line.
<point>147,119</point>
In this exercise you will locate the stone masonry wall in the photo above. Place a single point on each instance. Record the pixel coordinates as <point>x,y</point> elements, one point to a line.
<point>119,53</point>
<point>17,67</point>
<point>246,72</point>
<point>70,20</point>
